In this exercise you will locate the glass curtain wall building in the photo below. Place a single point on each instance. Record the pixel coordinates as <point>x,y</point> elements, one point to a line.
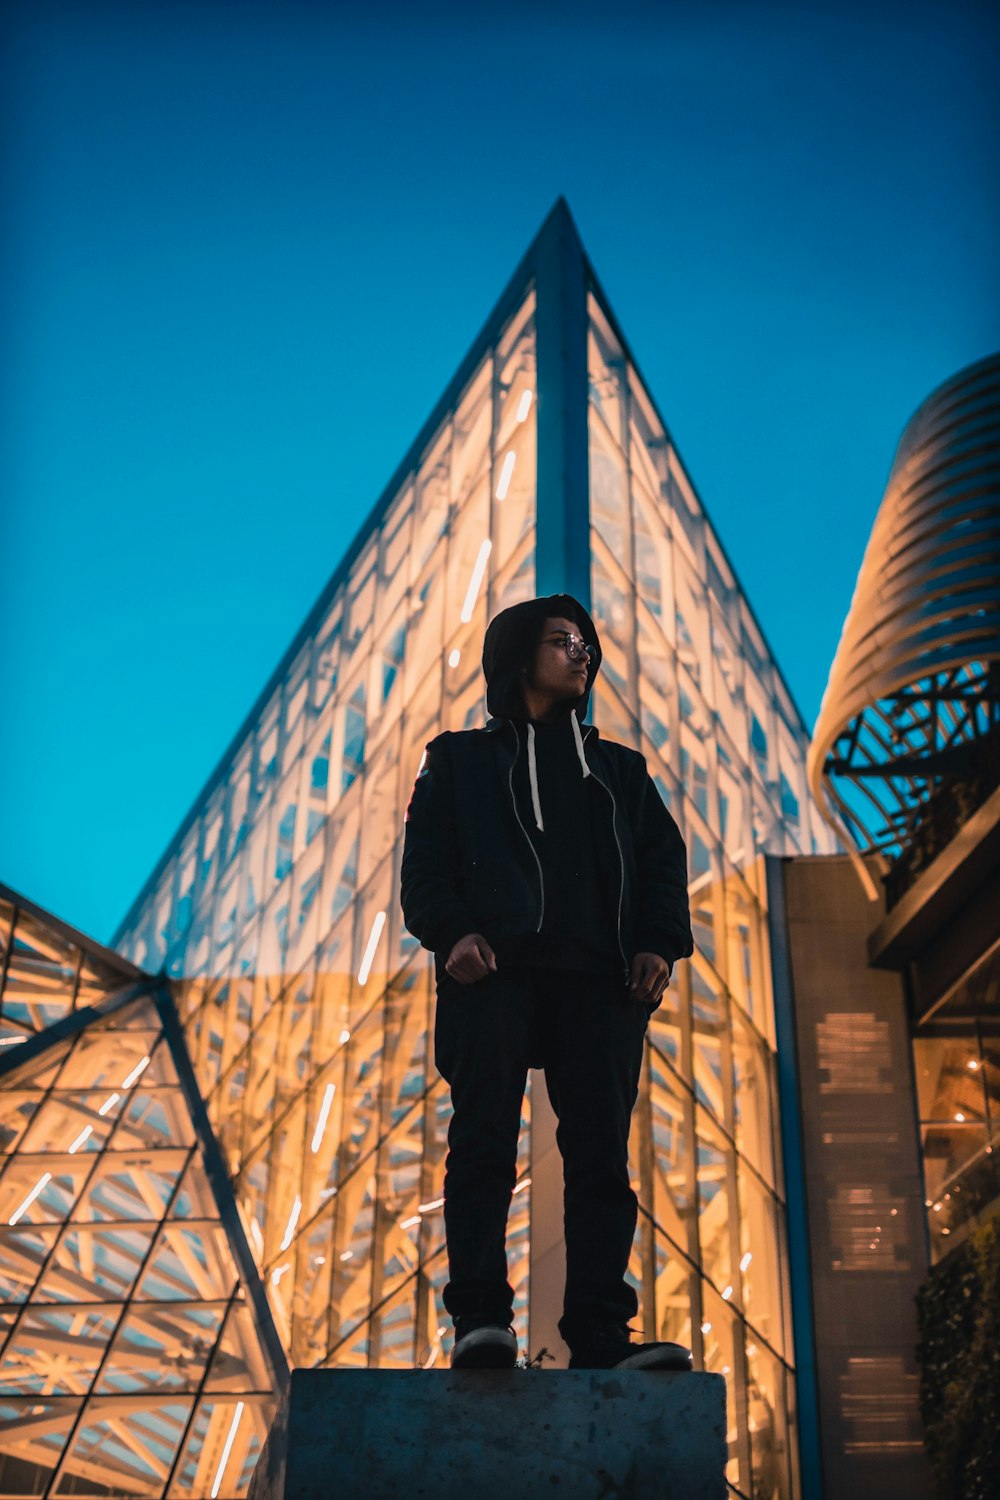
<point>275,917</point>
<point>138,1353</point>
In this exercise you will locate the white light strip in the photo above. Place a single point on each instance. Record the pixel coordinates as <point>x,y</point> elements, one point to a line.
<point>409,1223</point>
<point>376,933</point>
<point>84,1135</point>
<point>293,1219</point>
<point>12,1041</point>
<point>525,1182</point>
<point>39,1187</point>
<point>506,474</point>
<point>747,1258</point>
<point>485,548</point>
<point>227,1450</point>
<point>426,1208</point>
<point>324,1115</point>
<point>136,1072</point>
<point>345,1036</point>
<point>109,1103</point>
<point>524,405</point>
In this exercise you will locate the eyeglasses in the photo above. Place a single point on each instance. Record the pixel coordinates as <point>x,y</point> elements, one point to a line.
<point>576,646</point>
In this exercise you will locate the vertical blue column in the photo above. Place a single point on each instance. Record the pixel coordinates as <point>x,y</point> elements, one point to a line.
<point>562,563</point>
<point>562,566</point>
<point>797,1222</point>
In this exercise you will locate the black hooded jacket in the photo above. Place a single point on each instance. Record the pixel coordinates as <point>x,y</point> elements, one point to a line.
<point>474,853</point>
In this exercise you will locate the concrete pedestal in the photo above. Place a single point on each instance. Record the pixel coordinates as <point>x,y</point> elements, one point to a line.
<point>496,1435</point>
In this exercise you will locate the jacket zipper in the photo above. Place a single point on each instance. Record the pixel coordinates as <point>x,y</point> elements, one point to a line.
<point>510,783</point>
<point>621,861</point>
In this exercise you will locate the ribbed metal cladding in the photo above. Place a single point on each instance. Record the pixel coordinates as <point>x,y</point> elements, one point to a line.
<point>914,681</point>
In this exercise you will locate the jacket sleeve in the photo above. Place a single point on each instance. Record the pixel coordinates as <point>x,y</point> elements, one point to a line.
<point>663,916</point>
<point>434,909</point>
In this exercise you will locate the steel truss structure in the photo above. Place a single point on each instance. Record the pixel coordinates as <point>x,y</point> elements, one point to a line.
<point>274,914</point>
<point>907,742</point>
<point>139,1355</point>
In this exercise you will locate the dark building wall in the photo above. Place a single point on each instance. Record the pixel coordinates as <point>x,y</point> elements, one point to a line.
<point>860,1173</point>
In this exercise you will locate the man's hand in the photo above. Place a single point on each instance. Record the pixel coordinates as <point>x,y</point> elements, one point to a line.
<point>650,977</point>
<point>471,958</point>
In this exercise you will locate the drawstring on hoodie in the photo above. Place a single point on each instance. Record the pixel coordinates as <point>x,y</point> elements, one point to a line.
<point>532,769</point>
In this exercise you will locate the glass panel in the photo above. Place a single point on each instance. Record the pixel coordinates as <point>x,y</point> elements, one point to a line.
<point>162,1348</point>
<point>222,1447</point>
<point>33,1434</point>
<point>95,1263</point>
<point>56,1350</point>
<point>22,1252</point>
<point>123,1448</point>
<point>189,1260</point>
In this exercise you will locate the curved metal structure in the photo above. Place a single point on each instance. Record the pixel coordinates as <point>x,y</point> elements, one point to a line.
<point>907,741</point>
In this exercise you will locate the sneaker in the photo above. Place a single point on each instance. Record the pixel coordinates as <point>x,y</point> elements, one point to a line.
<point>483,1344</point>
<point>609,1347</point>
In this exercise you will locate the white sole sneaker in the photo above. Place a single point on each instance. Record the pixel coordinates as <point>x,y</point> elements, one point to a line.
<point>485,1349</point>
<point>655,1359</point>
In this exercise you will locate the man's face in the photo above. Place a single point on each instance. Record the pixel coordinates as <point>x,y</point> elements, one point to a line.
<point>553,672</point>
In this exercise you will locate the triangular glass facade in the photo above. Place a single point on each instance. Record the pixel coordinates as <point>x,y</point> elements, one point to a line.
<point>275,913</point>
<point>134,1354</point>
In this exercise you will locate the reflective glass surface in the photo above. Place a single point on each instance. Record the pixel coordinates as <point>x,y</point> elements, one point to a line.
<point>130,1361</point>
<point>687,679</point>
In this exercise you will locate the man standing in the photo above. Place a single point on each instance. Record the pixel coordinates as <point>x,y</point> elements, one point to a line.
<point>542,869</point>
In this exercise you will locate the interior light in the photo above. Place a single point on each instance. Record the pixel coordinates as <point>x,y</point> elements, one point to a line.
<point>12,1041</point>
<point>524,405</point>
<point>973,1065</point>
<point>84,1135</point>
<point>345,1035</point>
<point>485,548</point>
<point>454,657</point>
<point>293,1219</point>
<point>426,1208</point>
<point>706,1328</point>
<point>409,1223</point>
<point>959,1117</point>
<point>525,1182</point>
<point>227,1449</point>
<point>109,1103</point>
<point>39,1187</point>
<point>373,938</point>
<point>746,1261</point>
<point>506,474</point>
<point>727,1292</point>
<point>279,1271</point>
<point>136,1072</point>
<point>347,1255</point>
<point>324,1115</point>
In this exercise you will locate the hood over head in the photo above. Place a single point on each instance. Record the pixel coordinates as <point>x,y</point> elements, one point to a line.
<point>511,638</point>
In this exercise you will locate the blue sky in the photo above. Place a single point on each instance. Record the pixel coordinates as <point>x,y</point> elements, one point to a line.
<point>248,245</point>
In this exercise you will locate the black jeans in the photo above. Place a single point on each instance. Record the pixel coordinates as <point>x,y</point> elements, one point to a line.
<point>587,1033</point>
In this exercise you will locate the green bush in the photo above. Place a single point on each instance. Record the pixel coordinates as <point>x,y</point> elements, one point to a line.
<point>958,1310</point>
